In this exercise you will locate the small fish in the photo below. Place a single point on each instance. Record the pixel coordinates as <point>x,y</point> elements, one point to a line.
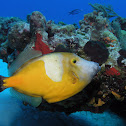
<point>75,11</point>
<point>53,77</point>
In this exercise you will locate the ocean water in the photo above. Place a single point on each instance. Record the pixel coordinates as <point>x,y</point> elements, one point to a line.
<point>58,11</point>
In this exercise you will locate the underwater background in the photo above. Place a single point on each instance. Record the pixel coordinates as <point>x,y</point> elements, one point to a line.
<point>14,113</point>
<point>56,10</point>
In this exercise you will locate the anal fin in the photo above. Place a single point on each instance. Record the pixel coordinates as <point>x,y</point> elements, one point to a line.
<point>33,101</point>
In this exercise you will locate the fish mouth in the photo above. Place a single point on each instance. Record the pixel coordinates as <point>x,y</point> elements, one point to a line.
<point>96,69</point>
<point>99,69</point>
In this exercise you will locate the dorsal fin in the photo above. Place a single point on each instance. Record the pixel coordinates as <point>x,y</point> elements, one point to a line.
<point>23,57</point>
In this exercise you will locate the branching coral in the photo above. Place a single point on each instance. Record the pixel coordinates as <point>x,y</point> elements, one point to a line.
<point>107,10</point>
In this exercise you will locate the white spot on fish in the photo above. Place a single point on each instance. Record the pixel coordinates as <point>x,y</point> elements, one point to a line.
<point>53,66</point>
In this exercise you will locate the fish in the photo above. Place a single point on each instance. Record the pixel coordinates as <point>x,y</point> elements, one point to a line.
<point>53,77</point>
<point>75,11</point>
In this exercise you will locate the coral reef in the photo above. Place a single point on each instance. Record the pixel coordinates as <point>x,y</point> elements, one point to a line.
<point>65,29</point>
<point>65,35</point>
<point>5,24</point>
<point>123,39</point>
<point>19,36</point>
<point>119,26</point>
<point>116,27</point>
<point>94,23</point>
<point>97,39</point>
<point>99,28</point>
<point>122,22</point>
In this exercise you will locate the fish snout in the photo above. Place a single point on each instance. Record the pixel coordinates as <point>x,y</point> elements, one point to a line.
<point>91,68</point>
<point>96,67</point>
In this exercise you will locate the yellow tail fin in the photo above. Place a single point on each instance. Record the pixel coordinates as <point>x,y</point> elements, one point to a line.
<point>12,81</point>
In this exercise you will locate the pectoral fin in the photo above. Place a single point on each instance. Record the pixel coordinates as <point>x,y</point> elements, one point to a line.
<point>74,78</point>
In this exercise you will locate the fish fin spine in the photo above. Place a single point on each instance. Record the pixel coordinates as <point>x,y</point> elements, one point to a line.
<point>2,83</point>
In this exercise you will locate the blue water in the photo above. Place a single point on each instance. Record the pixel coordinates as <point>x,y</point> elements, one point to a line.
<point>56,10</point>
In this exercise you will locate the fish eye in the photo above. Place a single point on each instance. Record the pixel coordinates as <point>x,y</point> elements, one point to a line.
<point>74,61</point>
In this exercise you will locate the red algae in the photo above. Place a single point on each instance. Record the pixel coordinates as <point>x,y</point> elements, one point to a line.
<point>112,72</point>
<point>40,45</point>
